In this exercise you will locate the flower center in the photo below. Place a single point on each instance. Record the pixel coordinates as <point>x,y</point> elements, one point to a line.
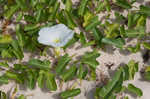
<point>56,40</point>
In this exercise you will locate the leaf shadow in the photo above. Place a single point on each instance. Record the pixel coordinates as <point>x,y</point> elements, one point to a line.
<point>125,52</point>
<point>79,47</point>
<point>8,94</point>
<point>23,86</point>
<point>56,96</point>
<point>90,94</point>
<point>145,54</point>
<point>142,78</point>
<point>45,89</point>
<point>129,40</point>
<point>140,1</point>
<point>7,59</point>
<point>109,49</point>
<point>134,96</point>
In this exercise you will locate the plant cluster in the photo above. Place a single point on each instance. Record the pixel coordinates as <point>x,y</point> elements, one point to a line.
<point>30,16</point>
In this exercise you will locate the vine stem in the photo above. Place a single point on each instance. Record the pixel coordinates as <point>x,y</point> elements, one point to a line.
<point>57,51</point>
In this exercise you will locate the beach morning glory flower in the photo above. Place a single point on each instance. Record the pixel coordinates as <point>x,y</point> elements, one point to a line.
<point>55,36</point>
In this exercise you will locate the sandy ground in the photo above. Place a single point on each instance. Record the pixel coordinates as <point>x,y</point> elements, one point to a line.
<point>109,56</point>
<point>117,57</point>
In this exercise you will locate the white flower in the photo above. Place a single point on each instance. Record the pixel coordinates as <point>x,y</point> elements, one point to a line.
<point>56,36</point>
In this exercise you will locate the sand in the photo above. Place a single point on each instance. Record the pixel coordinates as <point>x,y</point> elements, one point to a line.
<point>111,55</point>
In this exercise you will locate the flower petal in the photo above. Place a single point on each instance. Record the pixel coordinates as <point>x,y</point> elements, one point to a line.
<point>48,35</point>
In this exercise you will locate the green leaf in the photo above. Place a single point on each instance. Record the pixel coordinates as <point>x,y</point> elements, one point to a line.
<point>4,64</point>
<point>118,87</point>
<point>92,75</point>
<point>146,45</point>
<point>39,15</point>
<point>97,35</point>
<point>20,36</point>
<point>31,43</point>
<point>90,43</point>
<point>70,93</point>
<point>82,7</point>
<point>133,68</point>
<point>41,78</point>
<point>70,20</point>
<point>31,78</point>
<point>4,39</point>
<point>55,10</point>
<point>123,3</point>
<point>17,51</point>
<point>135,18</point>
<point>40,64</point>
<point>19,17</point>
<point>15,45</point>
<point>141,21</point>
<point>93,23</point>
<point>111,30</point>
<point>119,17</point>
<point>69,74</point>
<point>4,46</point>
<point>30,27</point>
<point>62,63</point>
<point>68,5</point>
<point>112,96</point>
<point>89,58</point>
<point>122,31</point>
<point>119,42</point>
<point>91,62</point>
<point>22,4</point>
<point>11,11</point>
<point>21,97</point>
<point>107,89</point>
<point>82,72</point>
<point>20,68</point>
<point>50,82</point>
<point>137,32</point>
<point>61,17</point>
<point>82,38</point>
<point>14,76</point>
<point>147,69</point>
<point>3,80</point>
<point>87,17</point>
<point>29,18</point>
<point>52,2</point>
<point>145,10</point>
<point>147,75</point>
<point>108,5</point>
<point>125,72</point>
<point>135,90</point>
<point>89,55</point>
<point>64,1</point>
<point>133,1</point>
<point>6,53</point>
<point>135,49</point>
<point>130,19</point>
<point>101,6</point>
<point>126,97</point>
